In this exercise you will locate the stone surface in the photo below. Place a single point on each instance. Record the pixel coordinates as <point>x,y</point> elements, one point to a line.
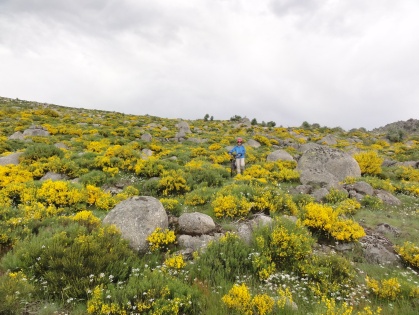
<point>138,217</point>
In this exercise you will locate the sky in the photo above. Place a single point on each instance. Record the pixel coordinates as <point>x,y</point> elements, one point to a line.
<point>338,63</point>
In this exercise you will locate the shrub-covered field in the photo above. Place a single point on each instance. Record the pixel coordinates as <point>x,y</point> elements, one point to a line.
<point>56,256</point>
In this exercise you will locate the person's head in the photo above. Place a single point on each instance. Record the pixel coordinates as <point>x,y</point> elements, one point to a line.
<point>239,141</point>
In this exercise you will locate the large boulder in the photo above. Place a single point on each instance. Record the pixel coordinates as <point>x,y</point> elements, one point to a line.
<point>362,188</point>
<point>324,167</point>
<point>378,250</point>
<point>183,126</point>
<point>53,176</point>
<point>245,230</point>
<point>146,137</point>
<point>328,140</point>
<point>196,242</point>
<point>18,135</point>
<point>253,143</point>
<point>196,223</point>
<point>11,159</point>
<point>387,197</point>
<point>279,155</point>
<point>36,131</point>
<point>136,218</point>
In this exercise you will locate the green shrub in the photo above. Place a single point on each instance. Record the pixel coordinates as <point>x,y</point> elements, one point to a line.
<point>146,292</point>
<point>65,261</point>
<point>302,200</point>
<point>335,196</point>
<point>85,160</point>
<point>41,151</point>
<point>15,293</point>
<point>378,183</point>
<point>95,177</point>
<point>329,273</point>
<point>207,176</point>
<point>372,202</point>
<point>150,187</point>
<point>395,135</point>
<point>171,205</point>
<point>11,145</point>
<point>223,260</point>
<point>284,242</point>
<point>199,196</point>
<point>152,167</point>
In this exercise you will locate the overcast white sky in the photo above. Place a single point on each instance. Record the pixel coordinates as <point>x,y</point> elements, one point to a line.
<point>339,63</point>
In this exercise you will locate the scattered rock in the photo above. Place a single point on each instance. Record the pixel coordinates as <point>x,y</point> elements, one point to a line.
<point>10,159</point>
<point>138,217</point>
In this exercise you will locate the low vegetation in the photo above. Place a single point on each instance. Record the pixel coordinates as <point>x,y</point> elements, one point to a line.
<point>56,256</point>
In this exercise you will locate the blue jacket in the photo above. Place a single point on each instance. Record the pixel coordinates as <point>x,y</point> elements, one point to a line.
<point>240,151</point>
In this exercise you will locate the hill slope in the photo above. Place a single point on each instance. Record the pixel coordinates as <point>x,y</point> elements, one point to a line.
<point>350,248</point>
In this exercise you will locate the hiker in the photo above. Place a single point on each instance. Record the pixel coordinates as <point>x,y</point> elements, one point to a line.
<point>239,151</point>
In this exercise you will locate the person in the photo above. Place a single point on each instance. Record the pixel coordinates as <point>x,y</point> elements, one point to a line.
<point>240,153</point>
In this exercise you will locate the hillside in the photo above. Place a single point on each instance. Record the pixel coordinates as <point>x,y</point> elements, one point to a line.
<point>322,220</point>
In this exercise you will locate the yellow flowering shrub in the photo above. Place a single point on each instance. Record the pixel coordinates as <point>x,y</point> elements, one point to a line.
<point>409,252</point>
<point>336,195</point>
<point>195,199</point>
<point>284,297</point>
<point>60,193</point>
<point>348,206</point>
<point>385,289</point>
<point>284,245</point>
<point>175,262</point>
<point>214,147</point>
<point>414,293</point>
<point>127,192</point>
<point>331,308</point>
<point>285,175</point>
<point>160,239</point>
<point>346,230</point>
<point>173,182</point>
<point>263,264</point>
<point>369,162</point>
<point>285,204</point>
<point>262,304</point>
<point>409,188</point>
<point>14,174</point>
<point>14,287</point>
<point>231,206</point>
<point>220,158</point>
<point>264,200</point>
<point>39,211</point>
<point>93,194</point>
<point>169,204</point>
<point>319,216</point>
<point>156,148</point>
<point>378,183</point>
<point>263,140</point>
<point>199,152</point>
<point>87,218</point>
<point>240,300</point>
<point>324,218</point>
<point>112,171</point>
<point>105,202</point>
<point>96,304</point>
<point>408,173</point>
<point>194,165</point>
<point>257,171</point>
